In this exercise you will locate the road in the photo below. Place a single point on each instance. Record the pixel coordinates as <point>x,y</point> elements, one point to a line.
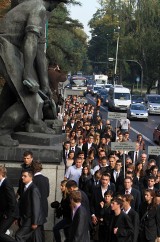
<point>145,128</point>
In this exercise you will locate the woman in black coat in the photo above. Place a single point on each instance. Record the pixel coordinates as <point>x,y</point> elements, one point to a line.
<point>149,218</point>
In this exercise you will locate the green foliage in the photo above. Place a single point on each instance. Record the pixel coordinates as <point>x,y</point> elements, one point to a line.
<point>139,23</point>
<point>66,40</point>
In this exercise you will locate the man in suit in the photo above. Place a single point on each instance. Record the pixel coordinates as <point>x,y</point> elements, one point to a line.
<point>117,175</point>
<point>135,155</point>
<point>98,196</point>
<point>128,189</point>
<point>42,182</point>
<point>31,213</point>
<point>134,216</point>
<point>74,147</point>
<point>79,231</point>
<point>8,206</point>
<point>121,228</point>
<point>26,165</point>
<point>66,149</point>
<point>89,144</point>
<point>71,123</point>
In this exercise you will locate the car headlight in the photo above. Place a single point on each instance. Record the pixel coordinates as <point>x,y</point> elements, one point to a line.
<point>132,113</point>
<point>150,106</point>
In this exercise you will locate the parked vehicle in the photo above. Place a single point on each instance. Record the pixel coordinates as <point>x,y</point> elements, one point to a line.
<point>102,93</point>
<point>153,103</point>
<point>137,111</point>
<point>156,134</point>
<point>77,86</point>
<point>119,98</point>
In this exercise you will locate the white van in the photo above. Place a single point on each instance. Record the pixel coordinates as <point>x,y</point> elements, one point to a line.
<point>119,98</point>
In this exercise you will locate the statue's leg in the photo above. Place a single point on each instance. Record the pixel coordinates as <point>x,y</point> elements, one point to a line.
<point>12,118</point>
<point>7,98</point>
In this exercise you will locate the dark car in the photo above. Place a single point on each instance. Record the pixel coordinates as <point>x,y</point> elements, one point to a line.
<point>137,99</point>
<point>156,134</point>
<point>102,93</point>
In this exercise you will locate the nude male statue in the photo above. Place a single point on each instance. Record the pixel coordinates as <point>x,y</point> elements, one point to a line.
<point>23,61</point>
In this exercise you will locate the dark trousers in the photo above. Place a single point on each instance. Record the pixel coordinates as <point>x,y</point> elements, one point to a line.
<point>63,224</point>
<point>5,223</point>
<point>142,237</point>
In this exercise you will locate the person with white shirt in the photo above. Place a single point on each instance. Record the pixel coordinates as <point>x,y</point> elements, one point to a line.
<point>74,172</point>
<point>102,166</point>
<point>134,216</point>
<point>98,196</point>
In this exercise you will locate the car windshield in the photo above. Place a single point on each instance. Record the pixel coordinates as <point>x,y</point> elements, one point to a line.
<point>154,99</point>
<point>97,88</point>
<point>78,82</point>
<point>122,96</point>
<point>102,92</point>
<point>138,107</point>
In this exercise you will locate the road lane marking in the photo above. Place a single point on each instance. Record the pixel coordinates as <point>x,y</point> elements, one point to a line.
<point>144,137</point>
<point>134,130</point>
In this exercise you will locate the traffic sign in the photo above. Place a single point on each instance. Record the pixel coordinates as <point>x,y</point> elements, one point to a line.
<point>123,146</point>
<point>112,115</point>
<point>154,150</point>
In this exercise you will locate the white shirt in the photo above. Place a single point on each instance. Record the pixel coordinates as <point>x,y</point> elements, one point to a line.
<point>73,173</point>
<point>2,181</point>
<point>115,174</point>
<point>124,123</point>
<point>126,212</point>
<point>104,190</point>
<point>129,191</point>
<point>27,185</point>
<point>89,145</point>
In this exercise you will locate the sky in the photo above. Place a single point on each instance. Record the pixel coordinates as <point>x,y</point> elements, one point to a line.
<point>84,13</point>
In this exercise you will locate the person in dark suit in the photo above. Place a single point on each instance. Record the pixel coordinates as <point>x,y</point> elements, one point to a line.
<point>121,228</point>
<point>79,231</point>
<point>31,213</point>
<point>27,163</point>
<point>135,155</point>
<point>128,189</point>
<point>149,218</point>
<point>42,182</point>
<point>8,206</point>
<point>71,123</point>
<point>66,149</point>
<point>117,175</point>
<point>134,216</point>
<point>89,144</point>
<point>74,148</point>
<point>98,196</point>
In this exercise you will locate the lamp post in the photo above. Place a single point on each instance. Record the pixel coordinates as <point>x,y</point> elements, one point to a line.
<point>135,61</point>
<point>116,59</point>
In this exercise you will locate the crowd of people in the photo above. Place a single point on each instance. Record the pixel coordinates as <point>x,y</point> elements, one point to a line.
<point>107,196</point>
<point>120,191</point>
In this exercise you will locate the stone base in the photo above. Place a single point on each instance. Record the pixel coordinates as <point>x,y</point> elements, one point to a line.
<point>45,147</point>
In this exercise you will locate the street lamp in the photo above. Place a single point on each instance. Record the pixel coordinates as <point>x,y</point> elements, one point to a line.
<point>135,61</point>
<point>115,68</point>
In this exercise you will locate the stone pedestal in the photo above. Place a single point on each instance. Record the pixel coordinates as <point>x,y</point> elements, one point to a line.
<point>45,147</point>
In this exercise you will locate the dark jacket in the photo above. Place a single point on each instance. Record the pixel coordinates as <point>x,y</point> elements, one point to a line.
<point>134,216</point>
<point>79,231</point>
<point>42,182</point>
<point>8,203</point>
<point>125,228</point>
<point>30,207</point>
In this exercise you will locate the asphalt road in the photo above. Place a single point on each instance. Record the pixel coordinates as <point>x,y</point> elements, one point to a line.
<point>145,128</point>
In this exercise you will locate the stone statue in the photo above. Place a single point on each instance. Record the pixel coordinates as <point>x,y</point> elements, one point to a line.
<point>23,65</point>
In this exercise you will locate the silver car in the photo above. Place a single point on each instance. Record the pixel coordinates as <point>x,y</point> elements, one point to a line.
<point>137,111</point>
<point>153,103</point>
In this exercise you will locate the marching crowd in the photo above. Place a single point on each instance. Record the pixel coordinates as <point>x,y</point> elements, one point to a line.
<point>120,204</point>
<point>107,196</point>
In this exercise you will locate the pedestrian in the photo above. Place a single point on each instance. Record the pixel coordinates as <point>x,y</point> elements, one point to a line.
<point>134,216</point>
<point>8,206</point>
<point>42,182</point>
<point>149,218</point>
<point>80,225</point>
<point>121,228</point>
<point>31,213</point>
